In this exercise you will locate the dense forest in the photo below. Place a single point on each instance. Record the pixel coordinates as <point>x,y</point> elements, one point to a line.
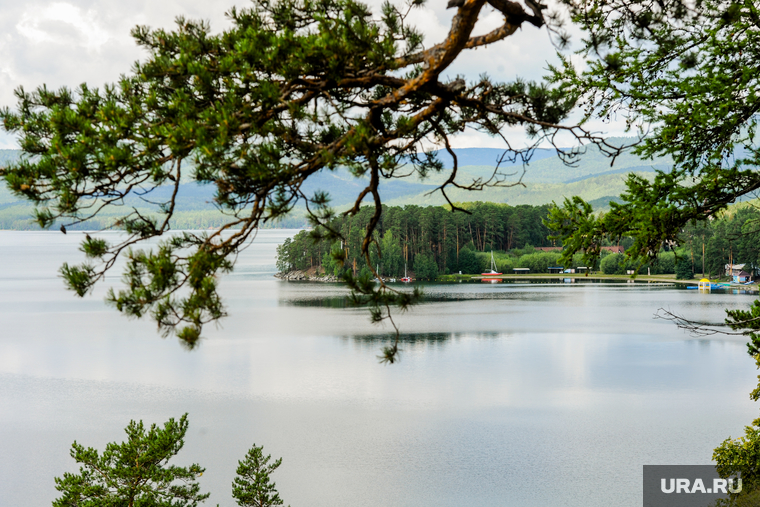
<point>425,240</point>
<point>430,241</point>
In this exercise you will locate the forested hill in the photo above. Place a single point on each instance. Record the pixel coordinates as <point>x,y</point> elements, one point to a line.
<point>546,179</point>
<point>428,241</point>
<point>432,241</point>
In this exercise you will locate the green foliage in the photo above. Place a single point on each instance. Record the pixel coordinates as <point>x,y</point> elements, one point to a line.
<point>292,89</point>
<point>538,262</point>
<point>613,264</point>
<point>135,472</point>
<point>664,263</point>
<point>749,322</point>
<point>468,262</point>
<point>683,270</point>
<point>503,264</point>
<point>152,278</point>
<point>741,456</point>
<point>79,279</point>
<point>403,234</point>
<point>252,486</point>
<point>684,71</point>
<point>425,267</point>
<point>94,248</point>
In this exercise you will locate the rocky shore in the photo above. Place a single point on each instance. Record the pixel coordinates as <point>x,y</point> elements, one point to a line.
<point>307,276</point>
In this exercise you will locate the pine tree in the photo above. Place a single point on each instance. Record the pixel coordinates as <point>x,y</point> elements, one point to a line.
<point>133,473</point>
<point>252,486</point>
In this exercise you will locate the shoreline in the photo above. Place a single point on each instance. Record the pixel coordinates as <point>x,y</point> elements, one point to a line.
<point>306,276</point>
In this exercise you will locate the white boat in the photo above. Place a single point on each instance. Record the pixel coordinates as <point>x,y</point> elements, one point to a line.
<point>493,271</point>
<point>406,279</point>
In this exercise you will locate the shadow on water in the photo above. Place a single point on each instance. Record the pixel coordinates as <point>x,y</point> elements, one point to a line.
<point>442,292</point>
<point>429,297</point>
<point>414,340</point>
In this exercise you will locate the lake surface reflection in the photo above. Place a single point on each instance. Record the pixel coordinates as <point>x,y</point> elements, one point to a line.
<point>513,394</point>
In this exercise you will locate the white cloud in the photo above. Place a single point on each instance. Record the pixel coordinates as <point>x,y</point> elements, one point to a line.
<point>62,23</point>
<point>68,42</point>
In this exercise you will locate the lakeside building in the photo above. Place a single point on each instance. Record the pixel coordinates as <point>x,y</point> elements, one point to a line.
<point>738,273</point>
<point>741,277</point>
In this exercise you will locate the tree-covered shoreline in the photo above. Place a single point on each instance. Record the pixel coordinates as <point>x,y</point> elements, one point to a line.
<point>432,241</point>
<point>428,241</point>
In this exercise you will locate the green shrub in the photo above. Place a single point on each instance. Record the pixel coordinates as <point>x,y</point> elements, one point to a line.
<point>468,262</point>
<point>683,270</point>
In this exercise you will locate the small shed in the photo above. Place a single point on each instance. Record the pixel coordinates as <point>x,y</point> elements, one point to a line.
<point>741,277</point>
<point>521,271</point>
<point>581,269</point>
<point>704,284</point>
<point>555,269</point>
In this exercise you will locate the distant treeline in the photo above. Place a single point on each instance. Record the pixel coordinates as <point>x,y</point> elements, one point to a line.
<point>731,238</point>
<point>431,241</point>
<point>427,240</point>
<point>707,247</point>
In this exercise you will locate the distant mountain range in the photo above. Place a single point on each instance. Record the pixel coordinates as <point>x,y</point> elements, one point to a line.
<point>546,178</point>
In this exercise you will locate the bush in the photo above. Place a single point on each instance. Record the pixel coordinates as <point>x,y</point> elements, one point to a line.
<point>468,262</point>
<point>613,264</point>
<point>683,270</point>
<point>665,264</point>
<point>538,262</point>
<point>505,264</point>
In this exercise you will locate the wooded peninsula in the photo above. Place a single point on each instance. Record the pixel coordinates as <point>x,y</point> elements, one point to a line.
<point>432,241</point>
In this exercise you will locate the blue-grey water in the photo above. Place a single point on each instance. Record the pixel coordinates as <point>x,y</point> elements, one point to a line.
<point>515,394</point>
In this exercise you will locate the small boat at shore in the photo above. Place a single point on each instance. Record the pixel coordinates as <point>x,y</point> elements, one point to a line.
<point>493,271</point>
<point>405,279</point>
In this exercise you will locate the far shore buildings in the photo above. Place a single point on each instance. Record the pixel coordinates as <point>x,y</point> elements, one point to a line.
<point>737,273</point>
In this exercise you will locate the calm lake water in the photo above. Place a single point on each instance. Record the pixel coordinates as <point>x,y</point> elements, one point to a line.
<point>514,394</point>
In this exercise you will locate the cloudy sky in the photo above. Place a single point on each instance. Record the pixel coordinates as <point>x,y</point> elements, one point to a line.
<point>68,42</point>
